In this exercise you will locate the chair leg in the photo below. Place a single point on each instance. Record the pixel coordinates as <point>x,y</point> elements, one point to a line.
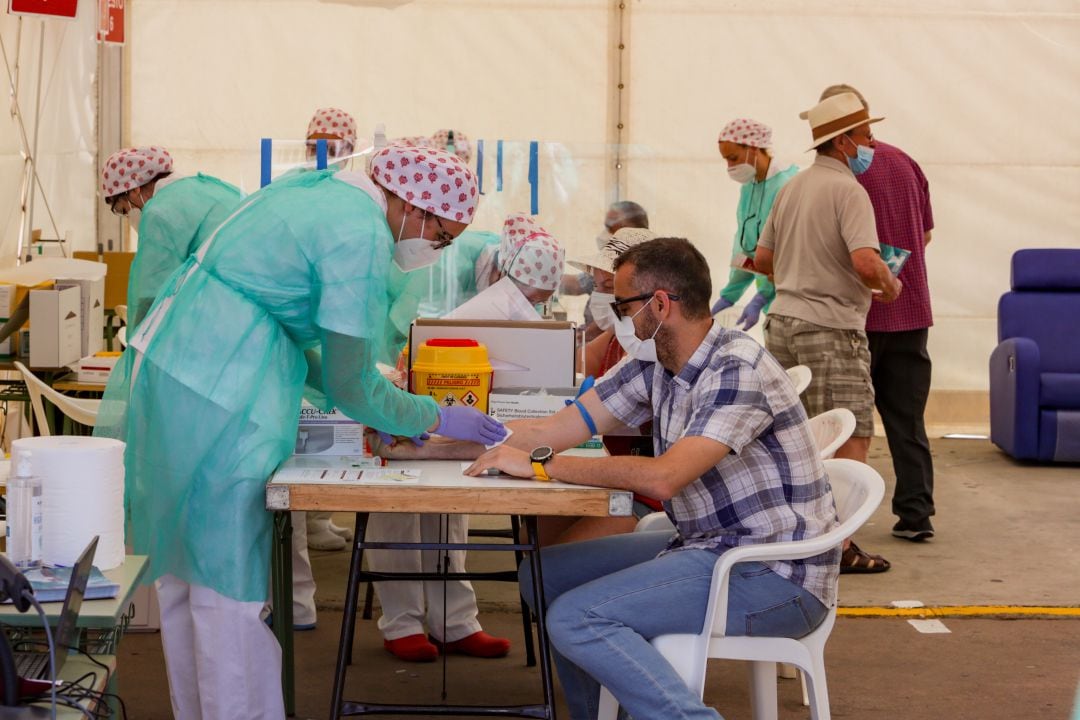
<point>818,691</point>
<point>763,690</point>
<point>802,682</point>
<point>369,598</point>
<point>609,706</point>
<point>786,671</point>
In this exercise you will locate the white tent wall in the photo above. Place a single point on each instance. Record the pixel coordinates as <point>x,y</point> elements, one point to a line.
<point>981,93</point>
<point>67,132</point>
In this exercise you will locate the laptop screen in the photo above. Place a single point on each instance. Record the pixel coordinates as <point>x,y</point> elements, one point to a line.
<point>66,632</point>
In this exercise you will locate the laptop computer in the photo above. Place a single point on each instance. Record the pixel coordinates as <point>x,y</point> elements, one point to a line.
<point>35,665</point>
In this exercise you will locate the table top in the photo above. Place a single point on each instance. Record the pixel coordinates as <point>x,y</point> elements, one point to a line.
<point>95,614</point>
<point>440,488</point>
<point>70,383</point>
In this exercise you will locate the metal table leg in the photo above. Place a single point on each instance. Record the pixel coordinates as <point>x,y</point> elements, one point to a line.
<point>348,619</point>
<point>541,611</point>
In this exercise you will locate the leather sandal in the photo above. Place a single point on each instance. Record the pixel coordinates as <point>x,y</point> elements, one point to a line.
<point>857,560</point>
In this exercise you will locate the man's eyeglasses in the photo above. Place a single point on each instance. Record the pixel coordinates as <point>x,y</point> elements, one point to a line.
<point>617,303</point>
<point>115,207</point>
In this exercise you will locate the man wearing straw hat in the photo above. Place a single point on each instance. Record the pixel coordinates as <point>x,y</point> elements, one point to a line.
<point>820,243</point>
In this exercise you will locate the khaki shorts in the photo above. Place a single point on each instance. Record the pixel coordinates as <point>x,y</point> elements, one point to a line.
<point>839,361</point>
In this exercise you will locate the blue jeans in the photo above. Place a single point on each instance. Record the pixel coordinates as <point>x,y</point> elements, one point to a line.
<point>608,597</point>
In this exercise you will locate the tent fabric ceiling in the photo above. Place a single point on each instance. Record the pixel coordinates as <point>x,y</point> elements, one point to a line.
<point>981,93</point>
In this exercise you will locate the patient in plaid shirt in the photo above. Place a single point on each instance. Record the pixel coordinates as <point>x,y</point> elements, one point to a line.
<point>735,464</point>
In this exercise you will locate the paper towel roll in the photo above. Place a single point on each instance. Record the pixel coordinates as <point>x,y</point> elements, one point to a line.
<point>82,495</point>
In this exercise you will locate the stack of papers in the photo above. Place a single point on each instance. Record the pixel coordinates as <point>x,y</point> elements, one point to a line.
<point>51,584</point>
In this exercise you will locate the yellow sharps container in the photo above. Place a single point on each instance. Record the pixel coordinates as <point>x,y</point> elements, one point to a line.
<point>454,371</point>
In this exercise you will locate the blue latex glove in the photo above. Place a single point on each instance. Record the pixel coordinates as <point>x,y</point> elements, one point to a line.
<point>752,313</point>
<point>721,305</point>
<point>466,423</point>
<point>388,440</point>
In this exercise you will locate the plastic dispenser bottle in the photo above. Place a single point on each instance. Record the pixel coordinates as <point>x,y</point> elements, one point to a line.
<point>24,521</point>
<point>451,146</point>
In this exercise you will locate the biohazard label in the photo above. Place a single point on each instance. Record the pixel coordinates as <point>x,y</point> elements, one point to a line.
<point>449,400</point>
<point>470,399</point>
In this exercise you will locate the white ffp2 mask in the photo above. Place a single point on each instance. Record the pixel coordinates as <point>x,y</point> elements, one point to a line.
<point>644,350</point>
<point>414,253</point>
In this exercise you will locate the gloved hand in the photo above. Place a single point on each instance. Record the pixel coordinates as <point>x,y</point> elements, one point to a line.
<point>721,305</point>
<point>752,312</point>
<point>388,440</point>
<point>465,423</point>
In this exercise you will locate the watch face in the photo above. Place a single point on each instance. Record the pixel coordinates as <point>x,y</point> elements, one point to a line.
<point>541,454</point>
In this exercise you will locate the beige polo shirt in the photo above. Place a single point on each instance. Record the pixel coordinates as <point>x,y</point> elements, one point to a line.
<point>819,218</point>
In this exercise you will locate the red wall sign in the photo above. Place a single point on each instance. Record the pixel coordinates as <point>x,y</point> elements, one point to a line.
<point>111,21</point>
<point>59,8</point>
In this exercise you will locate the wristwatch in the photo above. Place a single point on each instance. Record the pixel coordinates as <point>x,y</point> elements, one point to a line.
<point>539,457</point>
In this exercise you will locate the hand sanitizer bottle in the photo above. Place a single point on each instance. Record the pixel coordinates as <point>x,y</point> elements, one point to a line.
<point>24,521</point>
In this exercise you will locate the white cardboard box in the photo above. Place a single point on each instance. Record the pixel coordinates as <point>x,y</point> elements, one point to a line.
<point>508,404</point>
<point>96,368</point>
<point>332,433</point>
<point>92,312</point>
<point>55,327</point>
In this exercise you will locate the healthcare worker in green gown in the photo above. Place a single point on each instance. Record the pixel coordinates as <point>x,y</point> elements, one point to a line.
<point>745,145</point>
<point>289,292</point>
<point>173,214</point>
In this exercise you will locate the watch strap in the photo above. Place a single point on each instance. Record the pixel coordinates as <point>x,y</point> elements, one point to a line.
<point>540,471</point>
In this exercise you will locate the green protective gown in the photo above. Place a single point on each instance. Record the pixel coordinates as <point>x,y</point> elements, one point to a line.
<point>433,291</point>
<point>177,220</point>
<point>207,395</point>
<point>755,201</point>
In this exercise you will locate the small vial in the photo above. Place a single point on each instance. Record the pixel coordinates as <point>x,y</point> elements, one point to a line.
<point>24,520</point>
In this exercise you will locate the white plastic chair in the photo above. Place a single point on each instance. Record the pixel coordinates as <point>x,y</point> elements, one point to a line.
<point>832,429</point>
<point>80,410</point>
<point>858,490</point>
<point>121,312</point>
<point>800,377</point>
<point>121,336</point>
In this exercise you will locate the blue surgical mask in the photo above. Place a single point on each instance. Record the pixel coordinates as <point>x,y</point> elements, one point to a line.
<point>864,155</point>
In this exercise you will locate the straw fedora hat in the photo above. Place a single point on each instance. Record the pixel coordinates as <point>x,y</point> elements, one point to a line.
<point>620,242</point>
<point>835,116</point>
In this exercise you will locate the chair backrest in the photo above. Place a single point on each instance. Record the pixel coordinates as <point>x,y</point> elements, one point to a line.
<point>857,491</point>
<point>1043,305</point>
<point>831,429</point>
<point>79,410</point>
<point>800,377</point>
<point>121,312</point>
<point>121,336</point>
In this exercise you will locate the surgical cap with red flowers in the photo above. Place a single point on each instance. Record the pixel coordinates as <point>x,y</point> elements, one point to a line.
<point>428,178</point>
<point>744,131</point>
<point>133,167</point>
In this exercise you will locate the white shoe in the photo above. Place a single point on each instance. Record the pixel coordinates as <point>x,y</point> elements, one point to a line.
<point>325,539</point>
<point>345,533</point>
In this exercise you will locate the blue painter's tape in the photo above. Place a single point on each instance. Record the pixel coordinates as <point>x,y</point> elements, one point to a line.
<point>498,165</point>
<point>265,153</point>
<point>534,176</point>
<point>480,166</point>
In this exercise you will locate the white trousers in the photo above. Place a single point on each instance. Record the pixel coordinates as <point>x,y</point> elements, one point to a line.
<point>223,662</point>
<point>303,593</point>
<point>410,605</point>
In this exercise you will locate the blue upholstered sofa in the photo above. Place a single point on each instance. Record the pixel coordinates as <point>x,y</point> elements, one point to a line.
<point>1035,369</point>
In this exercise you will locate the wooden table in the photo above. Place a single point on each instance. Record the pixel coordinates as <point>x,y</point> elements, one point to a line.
<point>441,488</point>
<point>70,384</point>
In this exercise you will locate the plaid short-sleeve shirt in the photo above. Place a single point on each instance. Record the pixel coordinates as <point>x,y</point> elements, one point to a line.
<point>771,487</point>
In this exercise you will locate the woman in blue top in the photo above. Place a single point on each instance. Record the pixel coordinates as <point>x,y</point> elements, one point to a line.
<point>745,144</point>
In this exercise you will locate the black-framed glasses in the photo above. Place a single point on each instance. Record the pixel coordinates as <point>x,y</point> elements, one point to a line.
<point>617,303</point>
<point>443,238</point>
<point>114,206</point>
